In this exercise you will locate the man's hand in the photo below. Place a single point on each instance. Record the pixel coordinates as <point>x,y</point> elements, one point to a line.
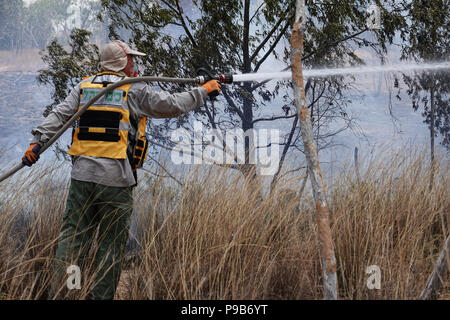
<point>212,87</point>
<point>31,155</point>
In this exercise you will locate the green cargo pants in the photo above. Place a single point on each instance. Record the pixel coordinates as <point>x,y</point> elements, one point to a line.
<point>93,236</point>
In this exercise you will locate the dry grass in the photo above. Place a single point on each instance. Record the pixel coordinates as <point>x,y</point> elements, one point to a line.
<point>215,239</point>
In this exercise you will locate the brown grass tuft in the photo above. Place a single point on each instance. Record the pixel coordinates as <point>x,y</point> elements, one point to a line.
<point>216,238</point>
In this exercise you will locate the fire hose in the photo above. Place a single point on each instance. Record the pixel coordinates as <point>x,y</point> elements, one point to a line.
<point>204,77</point>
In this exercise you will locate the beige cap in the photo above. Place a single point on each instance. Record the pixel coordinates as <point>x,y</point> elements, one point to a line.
<point>114,56</point>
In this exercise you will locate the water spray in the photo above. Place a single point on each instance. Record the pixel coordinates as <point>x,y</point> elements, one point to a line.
<point>321,73</point>
<point>205,76</point>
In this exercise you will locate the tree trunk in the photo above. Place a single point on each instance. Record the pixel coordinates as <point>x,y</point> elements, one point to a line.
<point>437,277</point>
<point>322,214</point>
<point>248,169</point>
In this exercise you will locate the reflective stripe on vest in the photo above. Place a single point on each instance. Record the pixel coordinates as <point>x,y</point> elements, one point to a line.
<point>102,131</point>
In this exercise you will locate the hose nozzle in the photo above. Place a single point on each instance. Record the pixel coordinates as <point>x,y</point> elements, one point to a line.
<point>205,76</point>
<point>224,77</point>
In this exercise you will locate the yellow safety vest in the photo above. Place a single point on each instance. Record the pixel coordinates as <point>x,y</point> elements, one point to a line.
<point>103,130</point>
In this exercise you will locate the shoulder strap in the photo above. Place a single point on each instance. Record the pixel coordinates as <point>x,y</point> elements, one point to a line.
<point>106,78</point>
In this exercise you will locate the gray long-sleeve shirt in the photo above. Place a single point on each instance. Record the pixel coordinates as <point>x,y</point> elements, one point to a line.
<point>143,101</point>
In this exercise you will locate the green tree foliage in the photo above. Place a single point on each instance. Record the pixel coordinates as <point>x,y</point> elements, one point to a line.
<point>243,37</point>
<point>67,67</point>
<point>181,36</point>
<point>427,40</point>
<point>240,37</point>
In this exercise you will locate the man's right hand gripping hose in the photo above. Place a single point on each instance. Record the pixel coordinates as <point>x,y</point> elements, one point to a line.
<point>31,155</point>
<point>212,87</point>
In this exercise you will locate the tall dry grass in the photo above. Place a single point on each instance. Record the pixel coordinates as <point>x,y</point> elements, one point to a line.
<point>218,238</point>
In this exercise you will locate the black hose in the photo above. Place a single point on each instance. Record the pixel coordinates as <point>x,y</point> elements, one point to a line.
<point>112,86</point>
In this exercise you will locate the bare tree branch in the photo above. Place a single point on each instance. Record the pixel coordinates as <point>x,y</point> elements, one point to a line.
<point>267,38</point>
<point>186,29</point>
<point>274,118</point>
<point>272,47</point>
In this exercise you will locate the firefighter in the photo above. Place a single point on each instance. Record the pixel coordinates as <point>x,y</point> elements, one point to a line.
<point>108,145</point>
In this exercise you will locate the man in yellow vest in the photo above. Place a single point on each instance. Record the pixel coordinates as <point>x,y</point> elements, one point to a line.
<point>108,145</point>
